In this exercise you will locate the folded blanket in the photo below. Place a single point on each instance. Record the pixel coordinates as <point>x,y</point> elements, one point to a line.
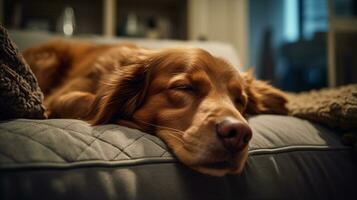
<point>20,96</point>
<point>333,107</point>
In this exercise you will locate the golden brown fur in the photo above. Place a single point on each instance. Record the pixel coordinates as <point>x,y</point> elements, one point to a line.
<point>178,94</point>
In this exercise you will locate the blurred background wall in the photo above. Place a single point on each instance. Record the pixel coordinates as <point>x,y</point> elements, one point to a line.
<point>296,44</point>
<point>288,42</point>
<point>223,20</point>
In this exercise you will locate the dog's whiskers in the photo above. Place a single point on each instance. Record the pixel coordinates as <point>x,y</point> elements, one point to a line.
<point>176,137</point>
<point>159,126</point>
<point>172,133</point>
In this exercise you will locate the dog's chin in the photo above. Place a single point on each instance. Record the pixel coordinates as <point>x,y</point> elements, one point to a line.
<point>212,161</point>
<point>222,168</point>
<point>215,166</point>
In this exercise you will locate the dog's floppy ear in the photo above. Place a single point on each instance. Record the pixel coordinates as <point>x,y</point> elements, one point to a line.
<point>262,97</point>
<point>121,95</point>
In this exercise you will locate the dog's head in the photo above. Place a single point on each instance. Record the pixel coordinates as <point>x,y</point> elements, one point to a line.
<point>195,102</point>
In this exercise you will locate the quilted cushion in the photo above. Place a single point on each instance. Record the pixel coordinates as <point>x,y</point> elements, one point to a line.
<point>68,159</point>
<point>68,141</point>
<point>56,141</point>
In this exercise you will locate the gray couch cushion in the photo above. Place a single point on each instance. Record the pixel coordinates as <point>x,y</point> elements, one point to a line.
<point>61,141</point>
<point>68,159</point>
<point>65,142</point>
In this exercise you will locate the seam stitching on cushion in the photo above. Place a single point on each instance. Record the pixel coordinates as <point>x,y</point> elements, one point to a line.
<point>66,130</point>
<point>100,163</point>
<point>46,124</point>
<point>156,144</point>
<point>129,145</point>
<point>74,131</point>
<point>148,138</point>
<point>89,135</point>
<point>25,136</point>
<point>95,138</point>
<point>91,163</point>
<point>318,146</point>
<point>293,149</point>
<point>9,157</point>
<point>163,153</point>
<point>16,129</point>
<point>118,154</point>
<point>118,148</point>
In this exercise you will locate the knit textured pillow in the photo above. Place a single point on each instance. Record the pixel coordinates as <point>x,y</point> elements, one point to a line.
<point>20,95</point>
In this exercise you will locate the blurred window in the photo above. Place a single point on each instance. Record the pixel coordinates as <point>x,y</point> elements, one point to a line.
<point>314,16</point>
<point>291,12</point>
<point>303,18</point>
<point>345,8</point>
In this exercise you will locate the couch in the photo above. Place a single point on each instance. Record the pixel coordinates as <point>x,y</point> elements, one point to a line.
<point>289,158</point>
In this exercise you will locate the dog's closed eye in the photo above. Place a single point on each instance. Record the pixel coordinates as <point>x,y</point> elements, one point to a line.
<point>182,86</point>
<point>186,88</point>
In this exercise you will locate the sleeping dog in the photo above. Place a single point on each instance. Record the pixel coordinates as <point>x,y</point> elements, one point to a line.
<point>195,102</point>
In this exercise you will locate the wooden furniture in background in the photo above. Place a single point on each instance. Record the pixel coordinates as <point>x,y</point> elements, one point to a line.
<point>214,20</point>
<point>104,17</point>
<point>342,46</point>
<point>221,20</point>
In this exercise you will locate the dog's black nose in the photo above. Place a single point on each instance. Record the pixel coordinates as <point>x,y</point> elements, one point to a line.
<point>234,134</point>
